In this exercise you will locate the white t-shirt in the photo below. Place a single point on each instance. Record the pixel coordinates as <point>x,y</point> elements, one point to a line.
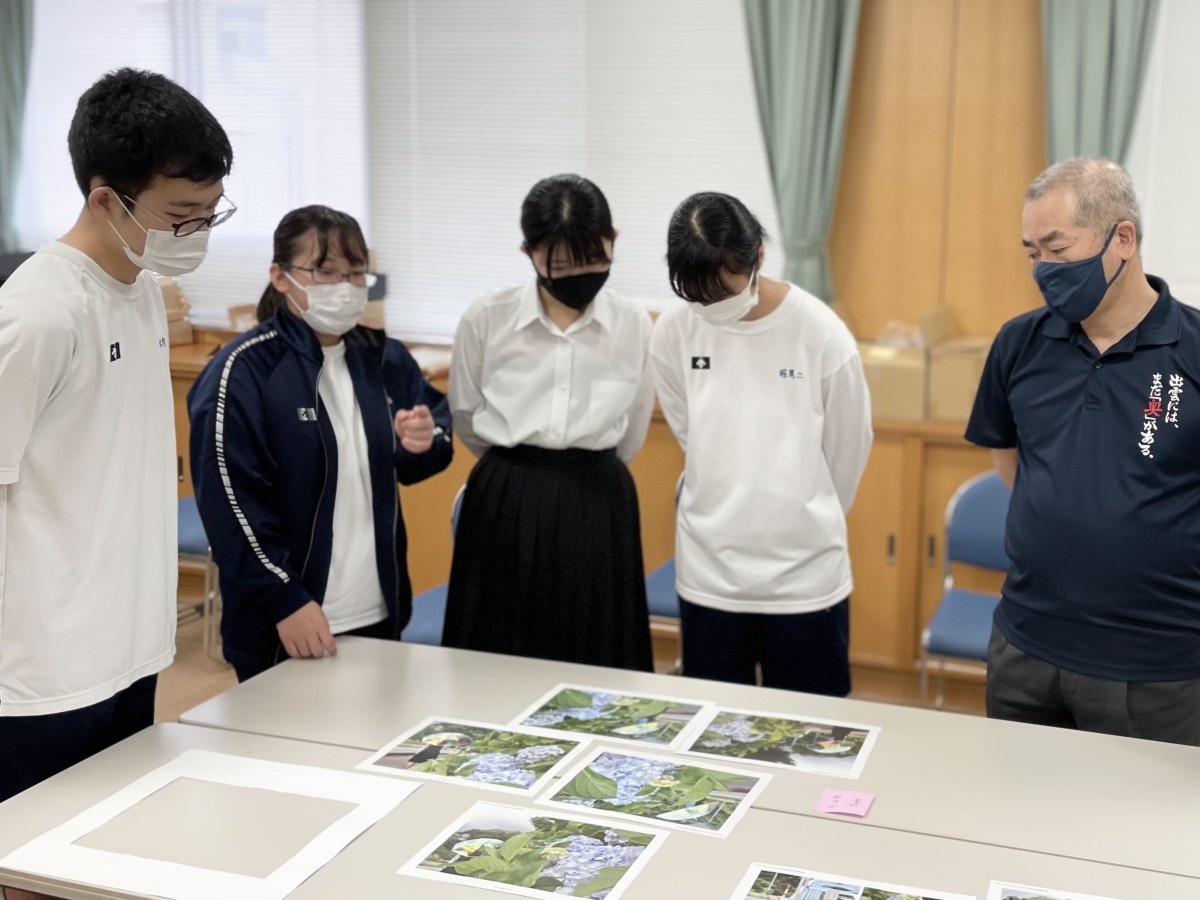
<point>775,421</point>
<point>516,378</point>
<point>353,596</point>
<point>88,497</point>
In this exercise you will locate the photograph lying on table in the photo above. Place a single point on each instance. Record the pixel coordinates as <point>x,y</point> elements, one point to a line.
<point>501,757</point>
<point>136,841</point>
<point>823,746</point>
<point>658,790</point>
<point>764,882</point>
<point>517,851</point>
<point>1002,890</point>
<point>613,715</point>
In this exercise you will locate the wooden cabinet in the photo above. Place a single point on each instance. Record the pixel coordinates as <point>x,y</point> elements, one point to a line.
<point>897,546</point>
<point>187,362</point>
<point>896,531</point>
<point>878,634</point>
<point>427,505</point>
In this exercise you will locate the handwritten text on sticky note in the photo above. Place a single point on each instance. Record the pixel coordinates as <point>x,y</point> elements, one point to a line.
<point>845,803</point>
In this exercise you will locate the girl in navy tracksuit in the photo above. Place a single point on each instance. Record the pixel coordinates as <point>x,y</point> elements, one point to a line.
<point>301,430</point>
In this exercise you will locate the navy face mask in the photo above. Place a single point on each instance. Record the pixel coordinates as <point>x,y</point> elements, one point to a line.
<point>575,291</point>
<point>1075,289</point>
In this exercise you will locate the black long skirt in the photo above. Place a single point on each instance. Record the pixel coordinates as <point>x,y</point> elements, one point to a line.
<point>548,560</point>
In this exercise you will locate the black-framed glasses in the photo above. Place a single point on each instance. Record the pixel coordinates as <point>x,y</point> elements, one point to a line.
<point>326,275</point>
<point>191,226</point>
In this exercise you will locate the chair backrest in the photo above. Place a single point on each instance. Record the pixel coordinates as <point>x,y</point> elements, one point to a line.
<point>975,523</point>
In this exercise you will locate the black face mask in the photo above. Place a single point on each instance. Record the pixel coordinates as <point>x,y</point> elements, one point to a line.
<point>575,291</point>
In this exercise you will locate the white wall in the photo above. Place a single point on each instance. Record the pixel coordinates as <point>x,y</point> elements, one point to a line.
<point>1164,158</point>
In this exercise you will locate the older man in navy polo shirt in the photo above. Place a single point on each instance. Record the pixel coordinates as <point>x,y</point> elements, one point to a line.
<point>1091,407</point>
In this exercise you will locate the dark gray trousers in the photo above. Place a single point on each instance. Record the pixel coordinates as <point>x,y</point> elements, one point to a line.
<point>1022,688</point>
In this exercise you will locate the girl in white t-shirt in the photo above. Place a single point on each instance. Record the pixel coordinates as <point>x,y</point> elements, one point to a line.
<point>763,387</point>
<point>549,388</point>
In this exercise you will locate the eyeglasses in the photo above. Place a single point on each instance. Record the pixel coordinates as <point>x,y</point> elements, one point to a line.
<point>191,226</point>
<point>335,276</point>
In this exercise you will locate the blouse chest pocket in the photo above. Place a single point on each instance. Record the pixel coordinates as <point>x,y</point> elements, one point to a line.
<point>609,403</point>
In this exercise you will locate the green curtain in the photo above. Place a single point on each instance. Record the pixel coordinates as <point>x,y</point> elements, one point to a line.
<point>802,52</point>
<point>1096,53</point>
<point>16,49</point>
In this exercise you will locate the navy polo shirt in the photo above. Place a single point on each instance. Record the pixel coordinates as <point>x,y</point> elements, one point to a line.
<point>1104,523</point>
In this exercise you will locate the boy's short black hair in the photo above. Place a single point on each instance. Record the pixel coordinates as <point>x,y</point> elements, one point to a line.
<point>132,125</point>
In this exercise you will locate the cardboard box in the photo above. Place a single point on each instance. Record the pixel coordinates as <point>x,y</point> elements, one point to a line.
<point>374,316</point>
<point>896,378</point>
<point>955,366</point>
<point>173,296</point>
<point>179,332</point>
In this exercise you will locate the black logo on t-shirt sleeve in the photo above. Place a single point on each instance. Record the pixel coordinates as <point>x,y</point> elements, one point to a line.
<point>114,351</point>
<point>701,362</point>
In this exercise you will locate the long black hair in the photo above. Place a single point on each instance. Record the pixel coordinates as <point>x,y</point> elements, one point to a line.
<point>568,211</point>
<point>335,230</point>
<point>711,233</point>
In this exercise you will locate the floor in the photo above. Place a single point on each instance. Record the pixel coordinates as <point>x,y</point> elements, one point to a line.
<point>192,678</point>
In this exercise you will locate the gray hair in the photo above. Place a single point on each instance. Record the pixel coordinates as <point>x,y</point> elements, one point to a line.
<point>1102,191</point>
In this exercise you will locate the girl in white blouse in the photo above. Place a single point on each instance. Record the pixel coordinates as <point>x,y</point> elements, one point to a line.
<point>549,387</point>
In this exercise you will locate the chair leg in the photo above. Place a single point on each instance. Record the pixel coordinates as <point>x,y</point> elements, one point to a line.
<point>940,700</point>
<point>212,612</point>
<point>924,679</point>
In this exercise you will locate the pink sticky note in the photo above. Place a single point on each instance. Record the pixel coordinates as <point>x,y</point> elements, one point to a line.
<point>845,803</point>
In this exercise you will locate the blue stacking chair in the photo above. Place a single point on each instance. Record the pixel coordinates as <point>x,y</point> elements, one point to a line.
<point>429,608</point>
<point>663,603</point>
<point>661,598</point>
<point>959,630</point>
<point>660,592</point>
<point>193,548</point>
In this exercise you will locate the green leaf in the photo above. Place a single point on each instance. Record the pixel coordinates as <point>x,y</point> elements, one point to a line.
<point>647,709</point>
<point>569,698</point>
<point>515,845</point>
<point>485,865</point>
<point>701,789</point>
<point>590,786</point>
<point>605,879</point>
<point>636,837</point>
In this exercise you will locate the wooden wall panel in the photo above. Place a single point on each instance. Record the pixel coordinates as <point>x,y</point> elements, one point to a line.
<point>888,226</point>
<point>944,133</point>
<point>997,148</point>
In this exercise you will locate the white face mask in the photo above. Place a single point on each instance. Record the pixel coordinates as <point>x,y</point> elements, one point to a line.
<point>731,309</point>
<point>333,309</point>
<point>165,253</point>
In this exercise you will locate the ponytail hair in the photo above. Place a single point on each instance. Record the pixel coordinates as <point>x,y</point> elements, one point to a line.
<point>328,225</point>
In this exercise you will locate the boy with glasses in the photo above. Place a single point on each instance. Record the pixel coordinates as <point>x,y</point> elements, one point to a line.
<point>88,546</point>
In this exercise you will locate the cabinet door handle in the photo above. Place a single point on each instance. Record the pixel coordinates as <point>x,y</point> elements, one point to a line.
<point>931,551</point>
<point>891,550</point>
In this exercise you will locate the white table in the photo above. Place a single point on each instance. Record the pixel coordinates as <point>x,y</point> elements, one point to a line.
<point>690,866</point>
<point>1085,796</point>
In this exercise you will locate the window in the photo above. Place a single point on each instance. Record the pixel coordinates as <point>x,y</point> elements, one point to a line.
<point>470,102</point>
<point>449,110</point>
<point>284,78</point>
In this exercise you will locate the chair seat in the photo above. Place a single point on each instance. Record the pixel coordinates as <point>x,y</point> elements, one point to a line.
<point>429,612</point>
<point>191,530</point>
<point>962,625</point>
<point>660,591</point>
